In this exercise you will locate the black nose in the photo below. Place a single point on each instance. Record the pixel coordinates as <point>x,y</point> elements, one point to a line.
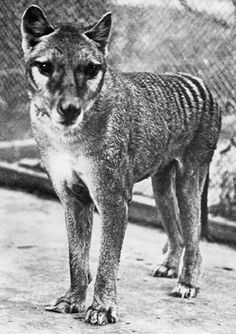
<point>69,113</point>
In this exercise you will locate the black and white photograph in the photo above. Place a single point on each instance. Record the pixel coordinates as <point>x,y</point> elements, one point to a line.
<point>118,167</point>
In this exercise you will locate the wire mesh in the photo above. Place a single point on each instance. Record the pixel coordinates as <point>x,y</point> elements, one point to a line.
<point>191,36</point>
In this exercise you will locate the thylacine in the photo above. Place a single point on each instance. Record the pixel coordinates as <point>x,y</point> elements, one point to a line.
<point>100,131</point>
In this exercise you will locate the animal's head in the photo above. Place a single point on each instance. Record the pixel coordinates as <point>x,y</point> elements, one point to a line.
<point>65,66</point>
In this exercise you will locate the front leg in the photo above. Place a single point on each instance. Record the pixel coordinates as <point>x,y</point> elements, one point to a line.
<point>113,211</point>
<point>78,218</point>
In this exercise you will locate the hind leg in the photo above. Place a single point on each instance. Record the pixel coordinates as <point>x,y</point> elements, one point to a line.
<point>164,193</point>
<point>189,185</point>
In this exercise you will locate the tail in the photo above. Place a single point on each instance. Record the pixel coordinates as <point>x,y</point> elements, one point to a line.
<point>204,211</point>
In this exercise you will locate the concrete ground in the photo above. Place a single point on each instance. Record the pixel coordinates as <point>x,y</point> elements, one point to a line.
<point>34,270</point>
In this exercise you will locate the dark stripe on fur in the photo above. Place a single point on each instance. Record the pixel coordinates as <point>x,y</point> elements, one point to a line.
<point>211,102</point>
<point>192,91</point>
<point>199,86</point>
<point>184,99</point>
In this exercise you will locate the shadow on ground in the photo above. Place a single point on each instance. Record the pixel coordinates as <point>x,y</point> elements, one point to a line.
<point>34,270</point>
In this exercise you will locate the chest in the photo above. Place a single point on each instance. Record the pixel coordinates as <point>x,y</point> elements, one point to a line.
<point>66,166</point>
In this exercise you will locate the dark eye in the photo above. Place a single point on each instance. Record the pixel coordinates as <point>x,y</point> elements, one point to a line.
<point>92,70</point>
<point>45,68</point>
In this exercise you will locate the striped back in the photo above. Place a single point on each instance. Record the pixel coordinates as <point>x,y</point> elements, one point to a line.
<point>179,98</point>
<point>191,93</point>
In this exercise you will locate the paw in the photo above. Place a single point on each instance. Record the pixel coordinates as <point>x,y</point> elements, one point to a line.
<point>163,271</point>
<point>185,291</point>
<point>65,304</point>
<point>100,316</point>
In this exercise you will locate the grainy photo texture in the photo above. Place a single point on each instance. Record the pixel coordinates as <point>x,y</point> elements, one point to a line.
<point>102,128</point>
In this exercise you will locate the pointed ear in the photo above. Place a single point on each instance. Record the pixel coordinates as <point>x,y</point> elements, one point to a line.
<point>100,32</point>
<point>34,25</point>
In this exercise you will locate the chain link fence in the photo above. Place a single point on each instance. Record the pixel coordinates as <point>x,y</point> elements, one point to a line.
<point>190,36</point>
<point>14,104</point>
<point>175,36</point>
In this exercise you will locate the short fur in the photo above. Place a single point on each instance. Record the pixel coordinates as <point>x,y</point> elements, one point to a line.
<point>99,131</point>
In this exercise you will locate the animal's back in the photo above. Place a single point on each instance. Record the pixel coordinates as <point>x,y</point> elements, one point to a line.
<point>174,112</point>
<point>180,99</point>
